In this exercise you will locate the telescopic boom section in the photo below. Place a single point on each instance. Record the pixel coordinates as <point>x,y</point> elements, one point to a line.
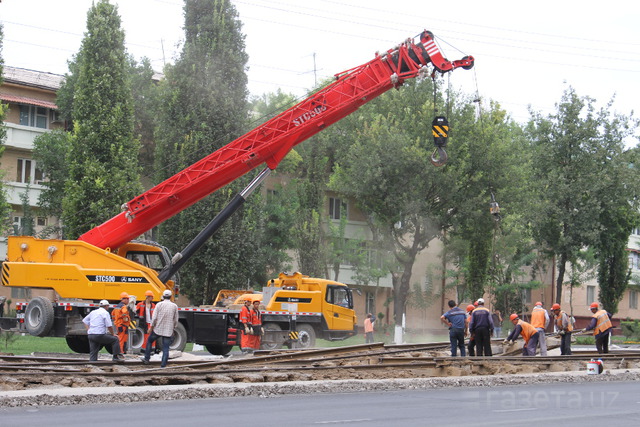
<point>270,142</point>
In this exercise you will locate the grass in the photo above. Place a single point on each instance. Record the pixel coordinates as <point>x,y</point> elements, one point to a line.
<point>27,344</point>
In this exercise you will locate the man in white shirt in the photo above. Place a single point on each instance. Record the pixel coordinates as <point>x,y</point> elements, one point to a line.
<point>164,321</point>
<point>100,333</point>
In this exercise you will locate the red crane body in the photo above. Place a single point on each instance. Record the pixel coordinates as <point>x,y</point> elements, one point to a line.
<point>270,142</point>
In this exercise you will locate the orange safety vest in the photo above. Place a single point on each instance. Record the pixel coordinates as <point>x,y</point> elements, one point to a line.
<point>256,317</point>
<point>120,316</point>
<point>245,315</point>
<point>559,322</point>
<point>527,330</point>
<point>141,307</point>
<point>602,323</point>
<point>368,326</point>
<point>537,317</point>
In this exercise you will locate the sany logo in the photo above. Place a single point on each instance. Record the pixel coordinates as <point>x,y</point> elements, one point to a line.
<point>315,111</point>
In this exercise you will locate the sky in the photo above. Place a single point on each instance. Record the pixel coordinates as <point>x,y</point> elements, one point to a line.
<point>527,53</point>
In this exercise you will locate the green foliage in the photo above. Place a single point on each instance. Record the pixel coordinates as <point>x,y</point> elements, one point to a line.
<point>631,329</point>
<point>103,160</point>
<point>50,152</point>
<point>5,208</point>
<point>7,338</point>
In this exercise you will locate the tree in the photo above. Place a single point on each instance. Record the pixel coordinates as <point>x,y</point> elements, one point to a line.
<point>203,107</point>
<point>566,177</point>
<point>103,160</point>
<point>618,200</point>
<point>50,152</point>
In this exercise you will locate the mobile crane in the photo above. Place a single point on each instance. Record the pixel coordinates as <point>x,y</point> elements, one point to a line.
<point>101,263</point>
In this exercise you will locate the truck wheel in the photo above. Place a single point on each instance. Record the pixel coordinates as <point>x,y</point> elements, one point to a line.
<point>277,342</point>
<point>78,343</point>
<point>38,317</point>
<point>179,338</point>
<point>218,349</point>
<point>306,336</point>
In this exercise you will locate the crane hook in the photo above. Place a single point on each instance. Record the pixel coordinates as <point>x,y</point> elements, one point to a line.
<point>439,157</point>
<point>440,130</point>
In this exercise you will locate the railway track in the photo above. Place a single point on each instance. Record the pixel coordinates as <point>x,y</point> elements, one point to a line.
<point>367,361</point>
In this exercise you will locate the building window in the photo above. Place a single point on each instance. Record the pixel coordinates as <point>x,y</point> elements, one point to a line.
<point>591,294</point>
<point>633,299</point>
<point>41,221</point>
<point>31,115</point>
<point>337,208</point>
<point>370,303</point>
<point>28,173</point>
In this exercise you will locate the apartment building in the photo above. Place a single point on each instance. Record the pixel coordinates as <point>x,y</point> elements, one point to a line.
<point>31,97</point>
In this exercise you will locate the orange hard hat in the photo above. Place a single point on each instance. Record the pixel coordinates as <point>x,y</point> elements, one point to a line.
<point>124,295</point>
<point>594,305</point>
<point>475,304</point>
<point>470,307</point>
<point>513,317</point>
<point>148,293</point>
<point>555,306</point>
<point>538,303</point>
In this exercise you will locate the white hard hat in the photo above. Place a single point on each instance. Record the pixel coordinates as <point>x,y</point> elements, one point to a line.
<point>104,303</point>
<point>167,293</point>
<point>480,300</point>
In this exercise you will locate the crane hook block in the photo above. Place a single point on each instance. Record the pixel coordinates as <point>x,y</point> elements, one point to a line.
<point>440,129</point>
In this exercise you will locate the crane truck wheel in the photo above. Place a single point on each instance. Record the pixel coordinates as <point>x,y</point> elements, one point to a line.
<point>218,349</point>
<point>275,340</point>
<point>179,338</point>
<point>38,317</point>
<point>78,343</point>
<point>306,336</point>
<point>136,339</point>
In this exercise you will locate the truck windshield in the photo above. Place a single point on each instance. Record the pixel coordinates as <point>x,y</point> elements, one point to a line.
<point>152,260</point>
<point>339,295</point>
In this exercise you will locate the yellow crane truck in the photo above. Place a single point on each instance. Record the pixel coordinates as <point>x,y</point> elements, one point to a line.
<point>102,263</point>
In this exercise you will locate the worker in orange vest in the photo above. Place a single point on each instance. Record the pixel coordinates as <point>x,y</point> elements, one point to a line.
<point>121,320</point>
<point>528,332</point>
<point>245,329</point>
<point>144,311</point>
<point>564,326</point>
<point>256,327</point>
<point>368,328</point>
<point>601,326</point>
<point>540,321</point>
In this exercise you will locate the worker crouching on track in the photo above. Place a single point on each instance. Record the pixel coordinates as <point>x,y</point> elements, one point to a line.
<point>121,320</point>
<point>100,333</point>
<point>564,327</point>
<point>601,326</point>
<point>528,332</point>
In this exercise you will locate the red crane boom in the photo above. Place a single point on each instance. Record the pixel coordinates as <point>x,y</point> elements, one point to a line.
<point>270,142</point>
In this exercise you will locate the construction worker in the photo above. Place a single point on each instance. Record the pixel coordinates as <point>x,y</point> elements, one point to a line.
<point>163,323</point>
<point>528,332</point>
<point>100,333</point>
<point>481,325</point>
<point>563,325</point>
<point>256,327</point>
<point>455,319</point>
<point>471,347</point>
<point>245,321</point>
<point>144,312</point>
<point>601,326</point>
<point>540,321</point>
<point>368,328</point>
<point>121,320</point>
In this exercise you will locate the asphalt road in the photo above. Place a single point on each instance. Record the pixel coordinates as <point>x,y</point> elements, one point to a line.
<point>583,404</point>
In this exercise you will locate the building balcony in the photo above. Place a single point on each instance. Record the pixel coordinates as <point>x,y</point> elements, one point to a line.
<point>16,189</point>
<point>22,137</point>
